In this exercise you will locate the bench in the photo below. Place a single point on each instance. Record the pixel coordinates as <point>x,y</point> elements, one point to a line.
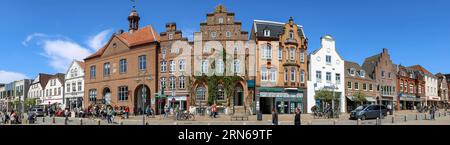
<point>239,116</point>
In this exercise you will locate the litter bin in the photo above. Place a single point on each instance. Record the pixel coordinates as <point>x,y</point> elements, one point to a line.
<point>259,116</point>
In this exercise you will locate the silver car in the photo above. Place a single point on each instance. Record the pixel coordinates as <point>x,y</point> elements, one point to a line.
<point>369,112</point>
<point>39,112</point>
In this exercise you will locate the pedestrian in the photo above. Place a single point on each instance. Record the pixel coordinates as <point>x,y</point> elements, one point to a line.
<point>434,109</point>
<point>297,118</point>
<point>113,115</point>
<point>175,112</point>
<point>127,111</point>
<point>66,114</point>
<point>148,111</point>
<point>7,117</point>
<point>13,117</point>
<point>31,118</point>
<point>274,117</point>
<point>214,108</point>
<point>108,115</point>
<point>166,111</point>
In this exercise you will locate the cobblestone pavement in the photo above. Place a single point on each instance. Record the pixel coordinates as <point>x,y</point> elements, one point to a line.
<point>412,117</point>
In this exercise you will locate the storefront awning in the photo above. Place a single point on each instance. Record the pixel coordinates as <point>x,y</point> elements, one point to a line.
<point>368,98</point>
<point>281,95</point>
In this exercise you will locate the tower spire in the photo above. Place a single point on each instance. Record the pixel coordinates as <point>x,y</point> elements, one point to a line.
<point>133,18</point>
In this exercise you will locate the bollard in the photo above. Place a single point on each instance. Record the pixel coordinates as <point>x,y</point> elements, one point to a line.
<point>143,120</point>
<point>393,119</point>
<point>439,114</point>
<point>334,122</point>
<point>65,121</point>
<point>175,123</point>
<point>98,122</point>
<point>425,117</point>
<point>121,123</point>
<point>405,118</point>
<point>378,119</point>
<point>358,122</point>
<point>81,121</point>
<point>417,117</point>
<point>146,123</point>
<point>43,119</point>
<point>54,121</point>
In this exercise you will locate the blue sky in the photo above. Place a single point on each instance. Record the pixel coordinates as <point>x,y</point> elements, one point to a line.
<point>43,36</point>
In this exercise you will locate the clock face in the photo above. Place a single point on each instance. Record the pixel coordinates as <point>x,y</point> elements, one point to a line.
<point>318,58</point>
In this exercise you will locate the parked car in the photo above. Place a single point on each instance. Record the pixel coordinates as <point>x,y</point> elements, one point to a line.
<point>39,112</point>
<point>369,112</point>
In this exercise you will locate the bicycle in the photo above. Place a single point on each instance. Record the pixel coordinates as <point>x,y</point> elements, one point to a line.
<point>186,116</point>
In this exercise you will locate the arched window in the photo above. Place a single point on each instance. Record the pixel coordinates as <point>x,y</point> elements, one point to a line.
<point>200,94</point>
<point>220,92</point>
<point>266,51</point>
<point>182,65</point>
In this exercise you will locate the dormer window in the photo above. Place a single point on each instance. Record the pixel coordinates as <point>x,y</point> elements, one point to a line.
<point>266,33</point>
<point>352,71</point>
<point>220,20</point>
<point>170,36</point>
<point>362,73</point>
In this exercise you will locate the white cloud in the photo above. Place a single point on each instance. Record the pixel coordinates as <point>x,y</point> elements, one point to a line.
<point>61,51</point>
<point>97,41</point>
<point>7,76</point>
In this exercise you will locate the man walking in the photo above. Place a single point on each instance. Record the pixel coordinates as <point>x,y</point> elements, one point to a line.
<point>297,118</point>
<point>274,117</point>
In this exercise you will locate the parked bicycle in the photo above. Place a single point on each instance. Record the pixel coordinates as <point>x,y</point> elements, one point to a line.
<point>185,116</point>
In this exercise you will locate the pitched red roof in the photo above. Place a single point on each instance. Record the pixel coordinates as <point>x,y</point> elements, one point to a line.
<point>144,35</point>
<point>422,69</point>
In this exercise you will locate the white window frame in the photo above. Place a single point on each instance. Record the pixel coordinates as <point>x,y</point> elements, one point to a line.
<point>280,53</point>
<point>182,65</point>
<point>181,82</point>
<point>266,33</point>
<point>328,77</point>
<point>219,66</point>
<point>319,76</point>
<point>292,74</point>
<point>204,66</point>
<point>273,75</point>
<point>163,66</point>
<point>328,59</point>
<point>172,66</point>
